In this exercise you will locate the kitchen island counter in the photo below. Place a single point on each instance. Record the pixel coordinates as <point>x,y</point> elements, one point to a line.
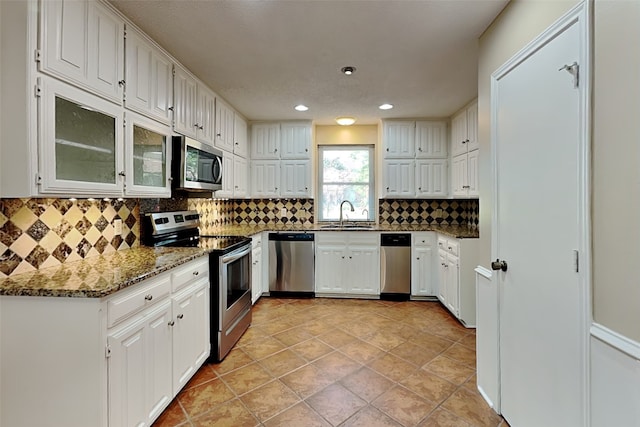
<point>99,276</point>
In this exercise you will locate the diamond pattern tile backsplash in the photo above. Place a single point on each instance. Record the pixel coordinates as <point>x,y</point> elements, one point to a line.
<point>449,212</point>
<point>40,233</point>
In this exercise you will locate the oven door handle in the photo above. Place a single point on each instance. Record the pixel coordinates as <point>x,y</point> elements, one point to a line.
<point>236,255</point>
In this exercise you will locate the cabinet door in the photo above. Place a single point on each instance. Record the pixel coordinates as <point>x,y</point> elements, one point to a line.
<point>185,103</point>
<point>431,139</point>
<point>443,277</point>
<point>452,284</point>
<point>256,274</point>
<point>399,139</point>
<point>295,140</point>
<point>147,156</point>
<point>330,268</point>
<point>265,141</point>
<point>139,373</point>
<point>363,270</point>
<point>82,42</point>
<point>190,332</point>
<point>472,173</point>
<point>421,271</point>
<point>224,126</point>
<point>206,111</point>
<point>295,178</point>
<point>80,141</point>
<point>227,176</point>
<point>240,171</point>
<point>459,134</point>
<point>240,144</point>
<point>399,176</point>
<point>472,127</point>
<point>459,175</point>
<point>148,77</point>
<point>431,178</point>
<point>265,178</point>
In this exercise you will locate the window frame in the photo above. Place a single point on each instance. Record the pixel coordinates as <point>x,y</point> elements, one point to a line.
<point>372,214</point>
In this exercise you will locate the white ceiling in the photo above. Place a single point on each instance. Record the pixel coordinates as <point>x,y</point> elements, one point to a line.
<point>264,57</point>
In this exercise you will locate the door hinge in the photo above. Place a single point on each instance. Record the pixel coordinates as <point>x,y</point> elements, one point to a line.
<point>38,180</point>
<point>107,351</point>
<point>37,90</point>
<point>576,261</point>
<point>574,70</point>
<point>37,55</point>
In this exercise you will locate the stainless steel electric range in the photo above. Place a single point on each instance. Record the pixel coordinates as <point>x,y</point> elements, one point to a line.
<point>229,272</point>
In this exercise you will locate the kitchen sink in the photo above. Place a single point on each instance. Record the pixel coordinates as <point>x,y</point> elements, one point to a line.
<point>347,227</point>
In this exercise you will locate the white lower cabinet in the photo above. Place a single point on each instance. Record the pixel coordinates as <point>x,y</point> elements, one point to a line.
<point>139,380</point>
<point>348,263</point>
<point>422,264</point>
<point>256,268</point>
<point>112,362</point>
<point>457,259</point>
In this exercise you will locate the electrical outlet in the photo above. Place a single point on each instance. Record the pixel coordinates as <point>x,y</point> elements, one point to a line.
<point>117,226</point>
<point>283,212</point>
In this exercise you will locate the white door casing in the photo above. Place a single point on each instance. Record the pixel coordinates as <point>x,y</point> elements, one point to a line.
<point>540,222</point>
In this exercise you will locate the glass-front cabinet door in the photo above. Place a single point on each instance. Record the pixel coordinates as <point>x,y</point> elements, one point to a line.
<point>80,142</point>
<point>147,157</point>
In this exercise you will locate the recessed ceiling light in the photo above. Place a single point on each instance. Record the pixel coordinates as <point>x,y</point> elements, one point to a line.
<point>301,107</point>
<point>345,121</point>
<point>348,70</point>
<point>386,107</point>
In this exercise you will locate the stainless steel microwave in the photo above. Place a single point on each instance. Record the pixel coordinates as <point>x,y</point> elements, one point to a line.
<point>196,166</point>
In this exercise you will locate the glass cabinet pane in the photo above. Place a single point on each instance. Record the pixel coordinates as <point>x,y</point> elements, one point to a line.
<point>85,143</point>
<point>149,162</point>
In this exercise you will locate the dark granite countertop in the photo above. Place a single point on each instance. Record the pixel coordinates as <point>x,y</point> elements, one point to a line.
<point>457,231</point>
<point>99,276</point>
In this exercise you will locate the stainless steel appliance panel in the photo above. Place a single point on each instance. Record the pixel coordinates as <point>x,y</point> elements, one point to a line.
<point>395,264</point>
<point>195,166</point>
<point>291,262</point>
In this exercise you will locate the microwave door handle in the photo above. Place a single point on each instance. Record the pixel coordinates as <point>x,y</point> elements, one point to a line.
<point>235,255</point>
<point>217,178</point>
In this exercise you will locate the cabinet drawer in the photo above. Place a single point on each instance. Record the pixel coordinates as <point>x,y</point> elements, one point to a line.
<point>366,238</point>
<point>130,301</point>
<point>331,238</point>
<point>425,238</point>
<point>453,247</point>
<point>183,275</point>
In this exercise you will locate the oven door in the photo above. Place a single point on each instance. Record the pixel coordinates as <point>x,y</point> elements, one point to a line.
<point>235,284</point>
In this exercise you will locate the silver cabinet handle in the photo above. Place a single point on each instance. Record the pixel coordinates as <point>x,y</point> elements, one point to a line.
<point>148,297</point>
<point>171,323</point>
<point>180,316</point>
<point>195,273</point>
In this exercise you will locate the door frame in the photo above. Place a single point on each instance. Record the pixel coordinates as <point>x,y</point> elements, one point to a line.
<point>581,15</point>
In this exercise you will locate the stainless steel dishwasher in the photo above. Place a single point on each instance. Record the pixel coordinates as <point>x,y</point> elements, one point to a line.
<point>291,264</point>
<point>395,266</point>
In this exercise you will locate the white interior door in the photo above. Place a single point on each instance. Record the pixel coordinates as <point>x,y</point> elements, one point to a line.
<point>538,129</point>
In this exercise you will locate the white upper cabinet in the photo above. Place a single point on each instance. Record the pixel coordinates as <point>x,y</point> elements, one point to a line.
<point>295,140</point>
<point>240,177</point>
<point>224,126</point>
<point>80,147</point>
<point>147,157</point>
<point>148,78</point>
<point>399,178</point>
<point>265,141</point>
<point>464,130</point>
<point>431,139</point>
<point>241,144</point>
<point>431,177</point>
<point>399,139</point>
<point>82,42</point>
<point>265,178</point>
<point>185,119</point>
<point>295,178</point>
<point>206,115</point>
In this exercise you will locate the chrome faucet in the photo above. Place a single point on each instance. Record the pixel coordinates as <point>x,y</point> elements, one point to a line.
<point>341,206</point>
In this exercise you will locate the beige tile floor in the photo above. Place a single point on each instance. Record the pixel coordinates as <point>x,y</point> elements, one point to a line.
<point>340,362</point>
